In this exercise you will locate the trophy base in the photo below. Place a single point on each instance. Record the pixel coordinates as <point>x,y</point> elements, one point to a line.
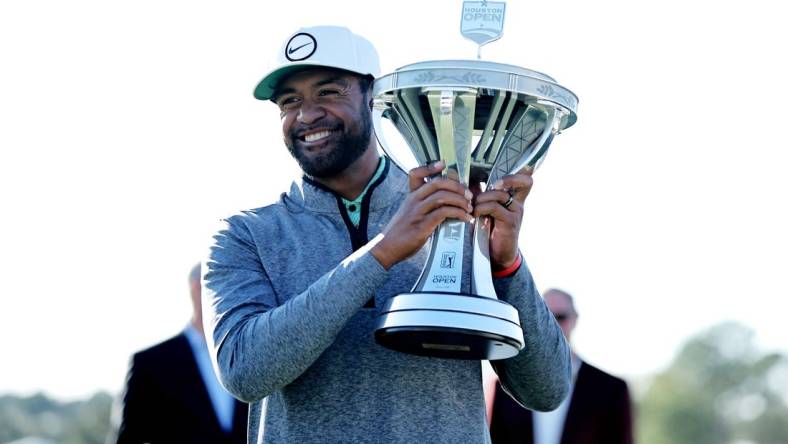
<point>450,325</point>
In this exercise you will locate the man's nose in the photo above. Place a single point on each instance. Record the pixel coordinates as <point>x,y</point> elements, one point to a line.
<point>310,112</point>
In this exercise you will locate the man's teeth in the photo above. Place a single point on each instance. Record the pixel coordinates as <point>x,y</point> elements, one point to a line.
<point>317,136</point>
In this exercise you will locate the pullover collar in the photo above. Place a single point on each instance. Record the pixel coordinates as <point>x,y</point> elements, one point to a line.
<point>384,191</point>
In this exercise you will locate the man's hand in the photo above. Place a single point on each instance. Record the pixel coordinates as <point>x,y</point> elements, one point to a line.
<point>428,204</point>
<point>506,216</point>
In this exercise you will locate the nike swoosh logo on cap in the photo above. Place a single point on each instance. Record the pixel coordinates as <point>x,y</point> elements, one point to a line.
<point>292,50</point>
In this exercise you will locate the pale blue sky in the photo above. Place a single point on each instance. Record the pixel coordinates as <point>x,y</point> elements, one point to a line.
<point>128,128</point>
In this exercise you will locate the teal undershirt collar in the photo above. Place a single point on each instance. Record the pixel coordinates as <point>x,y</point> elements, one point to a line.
<point>353,207</point>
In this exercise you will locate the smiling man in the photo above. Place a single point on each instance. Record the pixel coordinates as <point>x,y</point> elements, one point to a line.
<point>292,289</point>
<point>327,138</point>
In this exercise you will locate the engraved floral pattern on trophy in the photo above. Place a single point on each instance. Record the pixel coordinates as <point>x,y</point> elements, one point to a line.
<point>550,92</point>
<point>469,78</point>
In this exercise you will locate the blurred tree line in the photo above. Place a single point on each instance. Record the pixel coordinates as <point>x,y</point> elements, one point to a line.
<point>718,390</point>
<point>78,422</point>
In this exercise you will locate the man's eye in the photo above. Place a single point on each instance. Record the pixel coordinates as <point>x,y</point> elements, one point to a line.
<point>328,92</point>
<point>285,102</point>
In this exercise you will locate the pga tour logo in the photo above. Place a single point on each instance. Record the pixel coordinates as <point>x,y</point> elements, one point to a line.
<point>447,260</point>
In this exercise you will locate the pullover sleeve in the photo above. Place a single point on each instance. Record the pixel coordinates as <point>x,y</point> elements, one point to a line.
<point>539,377</point>
<point>258,346</point>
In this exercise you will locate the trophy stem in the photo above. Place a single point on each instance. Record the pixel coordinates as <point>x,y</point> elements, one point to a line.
<point>443,270</point>
<point>481,271</point>
<point>453,114</point>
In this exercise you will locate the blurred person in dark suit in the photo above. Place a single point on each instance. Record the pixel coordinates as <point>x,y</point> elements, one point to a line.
<point>597,411</point>
<point>172,393</point>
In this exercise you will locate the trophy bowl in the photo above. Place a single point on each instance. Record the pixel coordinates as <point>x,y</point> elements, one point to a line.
<point>484,120</point>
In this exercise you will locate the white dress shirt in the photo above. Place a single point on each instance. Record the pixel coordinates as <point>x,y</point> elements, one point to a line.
<point>548,426</point>
<point>223,402</point>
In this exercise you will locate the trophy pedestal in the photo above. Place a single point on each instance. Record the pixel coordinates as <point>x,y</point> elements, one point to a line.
<point>450,325</point>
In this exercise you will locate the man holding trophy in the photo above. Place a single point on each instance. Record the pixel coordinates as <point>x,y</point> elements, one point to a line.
<point>298,294</point>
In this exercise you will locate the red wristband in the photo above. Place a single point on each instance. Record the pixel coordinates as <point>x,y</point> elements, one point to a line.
<point>511,269</point>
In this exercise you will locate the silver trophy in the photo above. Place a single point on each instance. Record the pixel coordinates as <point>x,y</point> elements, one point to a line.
<point>484,120</point>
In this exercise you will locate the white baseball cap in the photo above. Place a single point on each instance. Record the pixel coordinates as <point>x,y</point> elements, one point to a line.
<point>328,46</point>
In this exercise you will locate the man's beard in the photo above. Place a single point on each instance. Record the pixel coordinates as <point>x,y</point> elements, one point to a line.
<point>349,148</point>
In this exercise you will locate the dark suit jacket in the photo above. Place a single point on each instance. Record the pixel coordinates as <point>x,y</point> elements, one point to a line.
<point>165,400</point>
<point>599,413</point>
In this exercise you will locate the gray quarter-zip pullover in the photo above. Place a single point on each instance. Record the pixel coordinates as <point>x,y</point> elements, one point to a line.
<point>289,301</point>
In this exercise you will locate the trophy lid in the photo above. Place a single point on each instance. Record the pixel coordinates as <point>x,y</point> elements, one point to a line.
<point>487,76</point>
<point>476,64</point>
